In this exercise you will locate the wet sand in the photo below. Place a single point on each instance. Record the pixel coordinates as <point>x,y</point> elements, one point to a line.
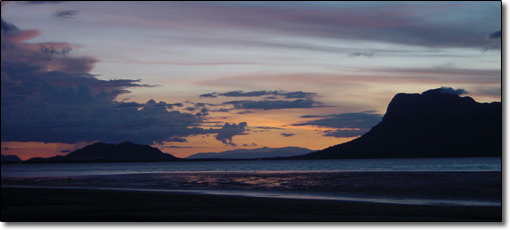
<point>83,205</point>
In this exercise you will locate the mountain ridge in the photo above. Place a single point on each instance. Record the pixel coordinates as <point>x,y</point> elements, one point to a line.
<point>10,159</point>
<point>264,152</point>
<point>102,152</point>
<point>431,124</point>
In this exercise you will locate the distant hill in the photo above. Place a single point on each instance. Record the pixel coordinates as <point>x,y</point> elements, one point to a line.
<point>431,124</point>
<point>10,159</point>
<point>264,152</point>
<point>101,152</point>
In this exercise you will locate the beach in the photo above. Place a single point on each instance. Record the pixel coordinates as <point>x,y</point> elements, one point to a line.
<point>84,205</point>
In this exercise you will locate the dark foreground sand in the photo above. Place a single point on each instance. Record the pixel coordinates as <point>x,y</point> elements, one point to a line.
<point>36,204</point>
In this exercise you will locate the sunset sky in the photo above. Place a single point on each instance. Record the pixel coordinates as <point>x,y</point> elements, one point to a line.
<point>190,77</point>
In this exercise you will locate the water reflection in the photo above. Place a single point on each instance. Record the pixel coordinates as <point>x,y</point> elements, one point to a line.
<point>372,165</point>
<point>455,186</point>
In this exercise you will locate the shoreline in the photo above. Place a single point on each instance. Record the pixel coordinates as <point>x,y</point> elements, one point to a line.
<point>83,205</point>
<point>279,195</point>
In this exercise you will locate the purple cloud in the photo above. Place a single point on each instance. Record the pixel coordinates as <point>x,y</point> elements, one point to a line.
<point>49,96</point>
<point>226,133</point>
<point>409,23</point>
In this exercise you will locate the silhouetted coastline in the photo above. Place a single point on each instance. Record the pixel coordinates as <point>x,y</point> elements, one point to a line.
<point>432,124</point>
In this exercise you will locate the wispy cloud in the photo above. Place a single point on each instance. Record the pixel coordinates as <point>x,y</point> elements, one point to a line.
<point>346,124</point>
<point>65,14</point>
<point>42,2</point>
<point>436,75</point>
<point>277,104</point>
<point>493,41</point>
<point>274,93</point>
<point>209,95</point>
<point>287,134</point>
<point>267,127</point>
<point>357,54</point>
<point>403,23</point>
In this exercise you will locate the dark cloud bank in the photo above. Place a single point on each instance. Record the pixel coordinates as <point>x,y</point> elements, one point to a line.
<point>48,95</point>
<point>277,99</point>
<point>347,124</point>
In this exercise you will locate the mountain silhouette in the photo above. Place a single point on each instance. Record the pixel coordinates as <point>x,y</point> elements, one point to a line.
<point>101,152</point>
<point>264,152</point>
<point>432,124</point>
<point>10,158</point>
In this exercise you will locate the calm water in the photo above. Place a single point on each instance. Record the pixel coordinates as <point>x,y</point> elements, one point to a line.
<point>445,181</point>
<point>387,165</point>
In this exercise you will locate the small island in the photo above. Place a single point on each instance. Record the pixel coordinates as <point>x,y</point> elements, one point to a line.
<point>102,152</point>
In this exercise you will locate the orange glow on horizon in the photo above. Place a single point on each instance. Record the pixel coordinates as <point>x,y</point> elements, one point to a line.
<point>27,150</point>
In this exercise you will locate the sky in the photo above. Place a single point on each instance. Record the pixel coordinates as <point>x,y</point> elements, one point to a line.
<point>191,77</point>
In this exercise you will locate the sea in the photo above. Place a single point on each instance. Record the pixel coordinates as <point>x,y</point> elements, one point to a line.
<point>418,181</point>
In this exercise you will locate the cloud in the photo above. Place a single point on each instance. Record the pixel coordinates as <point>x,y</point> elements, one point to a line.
<point>408,23</point>
<point>48,56</point>
<point>247,94</point>
<point>489,91</point>
<point>171,106</point>
<point>42,2</point>
<point>208,95</point>
<point>48,95</point>
<point>357,54</point>
<point>8,27</point>
<point>496,34</point>
<point>347,124</point>
<point>65,14</point>
<point>244,112</point>
<point>449,90</point>
<point>177,139</point>
<point>436,75</point>
<point>272,94</point>
<point>493,41</point>
<point>345,132</point>
<point>287,134</point>
<point>278,104</point>
<point>446,90</point>
<point>177,147</point>
<point>226,133</point>
<point>297,94</point>
<point>129,105</point>
<point>65,151</point>
<point>312,116</point>
<point>88,118</point>
<point>267,127</point>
